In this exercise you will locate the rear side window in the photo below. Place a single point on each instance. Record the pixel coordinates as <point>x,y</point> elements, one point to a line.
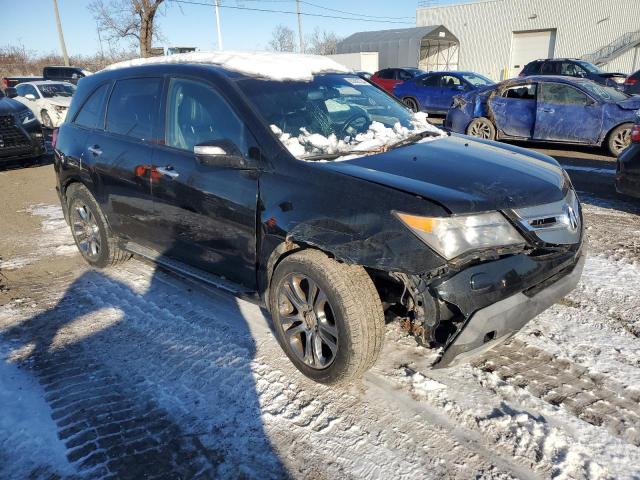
<point>449,81</point>
<point>532,68</point>
<point>560,94</point>
<point>404,75</point>
<point>90,114</point>
<point>549,68</point>
<point>133,107</point>
<point>197,114</point>
<point>386,74</point>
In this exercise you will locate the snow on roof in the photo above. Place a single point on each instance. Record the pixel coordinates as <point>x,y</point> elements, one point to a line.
<point>271,65</point>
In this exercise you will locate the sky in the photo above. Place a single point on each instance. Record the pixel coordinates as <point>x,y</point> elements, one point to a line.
<point>32,23</point>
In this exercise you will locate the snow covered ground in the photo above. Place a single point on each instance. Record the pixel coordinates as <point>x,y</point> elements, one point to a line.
<point>134,372</point>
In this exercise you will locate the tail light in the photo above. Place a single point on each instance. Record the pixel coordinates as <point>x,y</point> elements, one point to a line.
<point>635,133</point>
<point>54,138</point>
<point>631,81</point>
<point>5,83</point>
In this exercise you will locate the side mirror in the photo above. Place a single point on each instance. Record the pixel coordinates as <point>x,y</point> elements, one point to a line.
<point>460,88</point>
<point>223,154</point>
<point>30,96</point>
<point>11,92</point>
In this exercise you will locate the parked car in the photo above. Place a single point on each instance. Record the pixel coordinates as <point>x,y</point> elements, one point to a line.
<point>48,100</point>
<point>434,91</point>
<point>632,84</point>
<point>573,67</point>
<point>547,109</point>
<point>64,74</point>
<point>628,166</point>
<point>8,82</point>
<point>389,77</point>
<point>225,173</point>
<point>20,132</point>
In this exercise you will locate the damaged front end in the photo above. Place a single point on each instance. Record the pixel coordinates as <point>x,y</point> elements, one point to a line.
<point>479,301</point>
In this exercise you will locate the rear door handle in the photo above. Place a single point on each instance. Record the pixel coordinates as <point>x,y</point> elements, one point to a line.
<point>547,110</point>
<point>167,171</point>
<point>95,150</point>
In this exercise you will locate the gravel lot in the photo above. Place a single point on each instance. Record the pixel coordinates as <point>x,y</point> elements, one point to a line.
<point>133,372</point>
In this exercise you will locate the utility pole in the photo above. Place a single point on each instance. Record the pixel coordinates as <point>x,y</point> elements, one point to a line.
<point>300,26</point>
<point>218,24</point>
<point>60,34</point>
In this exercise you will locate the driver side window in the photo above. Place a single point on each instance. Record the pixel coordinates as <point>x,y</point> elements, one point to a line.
<point>196,114</point>
<point>560,94</point>
<point>449,81</point>
<point>571,70</point>
<point>521,92</point>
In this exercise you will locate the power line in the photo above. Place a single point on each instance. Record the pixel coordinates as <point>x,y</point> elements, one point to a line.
<point>352,13</point>
<point>190,2</point>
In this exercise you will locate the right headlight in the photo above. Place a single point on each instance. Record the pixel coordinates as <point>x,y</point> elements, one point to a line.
<point>455,235</point>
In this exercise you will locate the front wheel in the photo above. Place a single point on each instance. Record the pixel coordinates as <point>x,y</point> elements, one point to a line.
<point>619,139</point>
<point>327,315</point>
<point>482,128</point>
<point>412,104</point>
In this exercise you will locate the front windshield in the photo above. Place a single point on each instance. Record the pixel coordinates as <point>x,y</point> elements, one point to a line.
<point>50,90</point>
<point>477,80</point>
<point>589,67</point>
<point>333,114</point>
<point>608,94</point>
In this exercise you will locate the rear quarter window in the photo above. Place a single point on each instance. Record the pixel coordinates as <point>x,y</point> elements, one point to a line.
<point>532,68</point>
<point>90,113</point>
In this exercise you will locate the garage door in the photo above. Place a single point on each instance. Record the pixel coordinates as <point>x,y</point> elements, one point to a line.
<point>527,46</point>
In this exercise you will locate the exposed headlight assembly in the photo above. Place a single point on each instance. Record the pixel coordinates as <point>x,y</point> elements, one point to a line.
<point>26,117</point>
<point>455,235</point>
<point>60,108</point>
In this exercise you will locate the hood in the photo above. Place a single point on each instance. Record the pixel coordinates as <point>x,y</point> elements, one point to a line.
<point>462,174</point>
<point>10,106</point>
<point>631,103</point>
<point>61,101</point>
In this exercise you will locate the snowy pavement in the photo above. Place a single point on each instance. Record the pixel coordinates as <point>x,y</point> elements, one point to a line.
<point>133,372</point>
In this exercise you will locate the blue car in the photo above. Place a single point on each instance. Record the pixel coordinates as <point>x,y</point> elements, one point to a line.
<point>434,91</point>
<point>547,109</point>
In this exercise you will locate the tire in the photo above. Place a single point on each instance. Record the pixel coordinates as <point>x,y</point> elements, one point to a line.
<point>411,103</point>
<point>618,139</point>
<point>90,229</point>
<point>46,119</point>
<point>482,128</point>
<point>346,312</point>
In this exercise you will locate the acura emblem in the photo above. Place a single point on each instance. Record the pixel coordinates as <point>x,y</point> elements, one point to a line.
<point>572,216</point>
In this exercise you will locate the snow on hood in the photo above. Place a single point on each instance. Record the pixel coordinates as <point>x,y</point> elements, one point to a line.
<point>271,65</point>
<point>375,138</point>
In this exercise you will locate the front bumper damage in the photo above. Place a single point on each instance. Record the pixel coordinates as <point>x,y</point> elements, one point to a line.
<point>497,322</point>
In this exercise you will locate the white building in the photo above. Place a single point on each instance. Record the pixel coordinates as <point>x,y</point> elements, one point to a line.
<point>498,37</point>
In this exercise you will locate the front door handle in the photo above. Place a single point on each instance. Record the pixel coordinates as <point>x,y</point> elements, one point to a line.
<point>95,150</point>
<point>547,110</point>
<point>167,171</point>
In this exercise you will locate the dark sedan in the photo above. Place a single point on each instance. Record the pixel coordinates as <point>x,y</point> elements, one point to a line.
<point>628,168</point>
<point>20,132</point>
<point>547,109</point>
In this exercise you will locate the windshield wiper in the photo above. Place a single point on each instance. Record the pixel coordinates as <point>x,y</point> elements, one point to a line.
<point>412,139</point>
<point>333,156</point>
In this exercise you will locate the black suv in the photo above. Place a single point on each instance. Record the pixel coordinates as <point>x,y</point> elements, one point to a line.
<point>64,74</point>
<point>20,132</point>
<point>572,67</point>
<point>322,198</point>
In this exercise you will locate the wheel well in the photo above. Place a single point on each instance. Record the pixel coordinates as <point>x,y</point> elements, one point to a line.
<point>608,135</point>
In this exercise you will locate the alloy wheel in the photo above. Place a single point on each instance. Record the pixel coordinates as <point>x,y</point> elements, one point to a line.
<point>85,230</point>
<point>409,102</point>
<point>481,130</point>
<point>622,140</point>
<point>308,321</point>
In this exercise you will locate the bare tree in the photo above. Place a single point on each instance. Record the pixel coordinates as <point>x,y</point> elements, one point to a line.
<point>322,42</point>
<point>128,20</point>
<point>282,39</point>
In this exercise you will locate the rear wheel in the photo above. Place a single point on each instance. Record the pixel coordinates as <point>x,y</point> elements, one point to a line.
<point>619,139</point>
<point>90,230</point>
<point>411,103</point>
<point>482,128</point>
<point>327,315</point>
